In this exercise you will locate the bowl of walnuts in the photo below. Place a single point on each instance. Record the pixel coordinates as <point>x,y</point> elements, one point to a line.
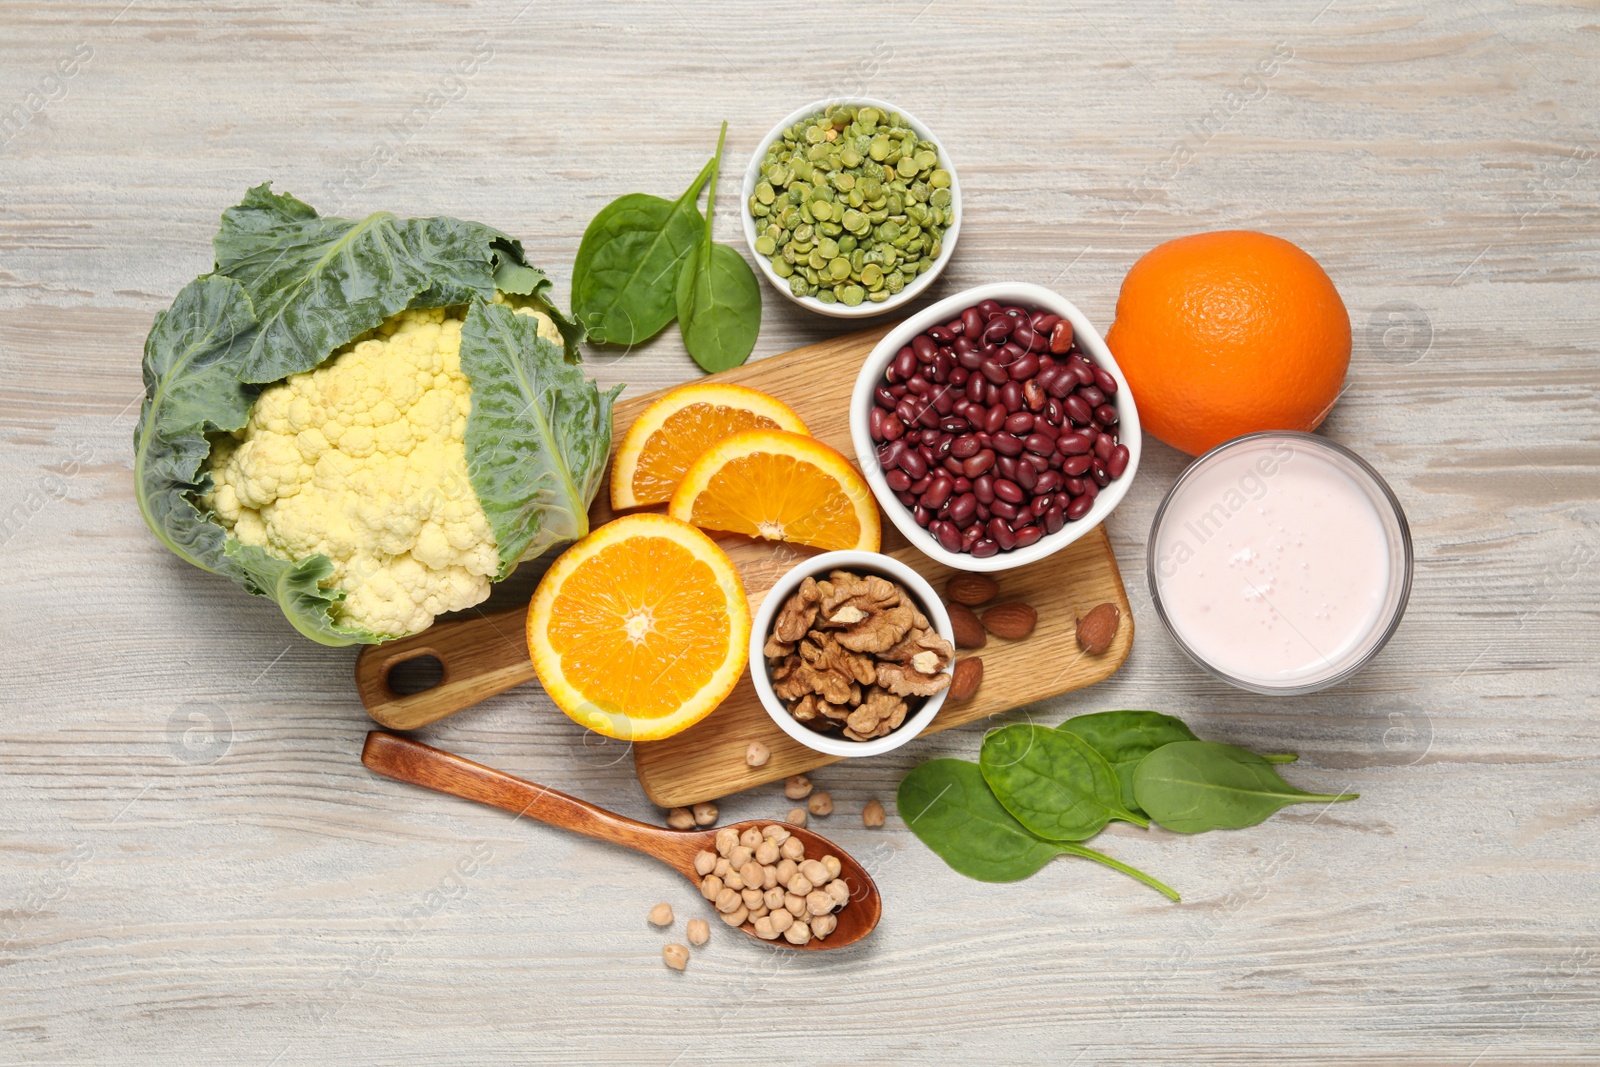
<point>851,653</point>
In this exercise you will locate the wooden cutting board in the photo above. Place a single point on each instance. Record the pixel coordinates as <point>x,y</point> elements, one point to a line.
<point>483,655</point>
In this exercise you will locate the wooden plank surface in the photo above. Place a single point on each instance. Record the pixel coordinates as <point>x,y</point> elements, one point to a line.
<point>195,868</point>
<point>481,655</point>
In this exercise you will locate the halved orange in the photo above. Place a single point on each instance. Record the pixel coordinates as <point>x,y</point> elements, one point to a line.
<point>672,433</point>
<point>780,486</point>
<point>640,629</point>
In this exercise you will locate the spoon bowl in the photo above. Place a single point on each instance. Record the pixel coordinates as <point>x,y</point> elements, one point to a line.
<point>411,761</point>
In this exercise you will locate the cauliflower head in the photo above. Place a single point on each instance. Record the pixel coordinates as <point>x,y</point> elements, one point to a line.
<point>363,460</point>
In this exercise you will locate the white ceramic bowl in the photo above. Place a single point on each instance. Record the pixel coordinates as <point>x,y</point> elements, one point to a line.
<point>1089,340</point>
<point>818,567</point>
<point>866,309</point>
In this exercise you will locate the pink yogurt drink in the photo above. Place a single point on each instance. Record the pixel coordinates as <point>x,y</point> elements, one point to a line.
<point>1280,562</point>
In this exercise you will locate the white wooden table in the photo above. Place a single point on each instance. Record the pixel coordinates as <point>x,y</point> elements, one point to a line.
<point>195,868</point>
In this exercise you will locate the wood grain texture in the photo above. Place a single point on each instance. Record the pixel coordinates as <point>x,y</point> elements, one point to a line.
<point>482,655</point>
<point>195,867</point>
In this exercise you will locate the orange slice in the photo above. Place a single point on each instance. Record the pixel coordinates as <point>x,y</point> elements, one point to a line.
<point>671,433</point>
<point>640,629</point>
<point>780,486</point>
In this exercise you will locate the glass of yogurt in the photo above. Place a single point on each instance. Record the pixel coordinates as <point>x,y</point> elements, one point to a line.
<point>1280,562</point>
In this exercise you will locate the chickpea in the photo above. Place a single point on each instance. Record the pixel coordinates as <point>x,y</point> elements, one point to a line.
<point>769,877</point>
<point>796,905</point>
<point>831,862</point>
<point>792,849</point>
<point>799,885</point>
<point>756,754</point>
<point>705,861</point>
<point>740,856</point>
<point>797,787</point>
<point>766,853</point>
<point>675,956</point>
<point>732,880</point>
<point>782,919</point>
<point>796,817</point>
<point>680,819</point>
<point>750,874</point>
<point>822,926</point>
<point>797,934</point>
<point>764,928</point>
<point>710,886</point>
<point>736,917</point>
<point>838,892</point>
<point>704,813</point>
<point>775,833</point>
<point>815,872</point>
<point>818,902</point>
<point>872,816</point>
<point>773,898</point>
<point>752,898</point>
<point>750,838</point>
<point>785,870</point>
<point>727,837</point>
<point>820,804</point>
<point>728,900</point>
<point>756,913</point>
<point>661,915</point>
<point>722,868</point>
<point>700,931</point>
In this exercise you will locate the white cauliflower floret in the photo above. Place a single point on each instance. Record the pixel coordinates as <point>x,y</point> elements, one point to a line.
<point>362,460</point>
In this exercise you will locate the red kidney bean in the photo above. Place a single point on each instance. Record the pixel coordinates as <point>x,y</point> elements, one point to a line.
<point>1101,476</point>
<point>1075,486</point>
<point>972,322</point>
<point>1028,535</point>
<point>913,464</point>
<point>963,507</point>
<point>1103,445</point>
<point>1007,444</point>
<point>1026,366</point>
<point>906,411</point>
<point>943,402</point>
<point>1042,425</point>
<point>1026,477</point>
<point>1077,410</point>
<point>959,376</point>
<point>938,494</point>
<point>963,484</point>
<point>975,465</point>
<point>1075,465</point>
<point>1049,482</point>
<point>1043,321</point>
<point>954,423</point>
<point>988,307</point>
<point>884,398</point>
<point>983,549</point>
<point>955,326</point>
<point>951,464</point>
<point>1090,489</point>
<point>983,513</point>
<point>1072,444</point>
<point>919,386</point>
<point>1023,334</point>
<point>1092,396</point>
<point>1000,531</point>
<point>1055,518</point>
<point>964,447</point>
<point>905,363</point>
<point>923,347</point>
<point>1062,384</point>
<point>997,331</point>
<point>1036,461</point>
<point>949,536</point>
<point>1103,378</point>
<point>893,428</point>
<point>1081,371</point>
<point>1041,504</point>
<point>975,389</point>
<point>944,361</point>
<point>1117,463</point>
<point>994,372</point>
<point>1105,415</point>
<point>1009,353</point>
<point>994,419</point>
<point>1079,508</point>
<point>875,421</point>
<point>1053,413</point>
<point>940,335</point>
<point>1033,395</point>
<point>1006,467</point>
<point>970,536</point>
<point>1061,337</point>
<point>968,355</point>
<point>1011,397</point>
<point>898,390</point>
<point>1020,423</point>
<point>1009,491</point>
<point>1039,444</point>
<point>922,515</point>
<point>983,489</point>
<point>929,417</point>
<point>897,480</point>
<point>1054,462</point>
<point>889,454</point>
<point>985,439</point>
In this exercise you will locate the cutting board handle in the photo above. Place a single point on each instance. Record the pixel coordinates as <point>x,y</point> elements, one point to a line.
<point>480,657</point>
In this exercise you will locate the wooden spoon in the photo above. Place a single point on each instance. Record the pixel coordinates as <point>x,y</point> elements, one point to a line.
<point>412,761</point>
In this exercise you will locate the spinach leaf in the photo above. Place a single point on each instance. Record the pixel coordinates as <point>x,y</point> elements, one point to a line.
<point>625,279</point>
<point>537,436</point>
<point>1126,737</point>
<point>1193,786</point>
<point>718,296</point>
<point>1053,782</point>
<point>947,804</point>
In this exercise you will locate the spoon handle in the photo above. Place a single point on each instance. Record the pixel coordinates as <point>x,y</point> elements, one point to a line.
<point>411,761</point>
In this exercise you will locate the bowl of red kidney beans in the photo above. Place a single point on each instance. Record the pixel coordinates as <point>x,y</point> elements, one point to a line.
<point>995,427</point>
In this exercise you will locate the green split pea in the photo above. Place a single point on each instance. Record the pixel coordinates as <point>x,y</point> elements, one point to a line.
<point>852,205</point>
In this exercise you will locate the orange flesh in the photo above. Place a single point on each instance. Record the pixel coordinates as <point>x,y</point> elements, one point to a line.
<point>770,495</point>
<point>686,433</point>
<point>640,627</point>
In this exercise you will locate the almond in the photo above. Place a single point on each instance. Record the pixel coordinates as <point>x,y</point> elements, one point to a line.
<point>965,679</point>
<point>968,630</point>
<point>1012,621</point>
<point>971,589</point>
<point>1096,629</point>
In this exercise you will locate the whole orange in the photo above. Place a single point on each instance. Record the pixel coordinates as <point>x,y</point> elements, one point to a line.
<point>1227,333</point>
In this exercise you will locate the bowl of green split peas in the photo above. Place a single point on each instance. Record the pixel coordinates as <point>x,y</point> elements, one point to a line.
<point>851,207</point>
